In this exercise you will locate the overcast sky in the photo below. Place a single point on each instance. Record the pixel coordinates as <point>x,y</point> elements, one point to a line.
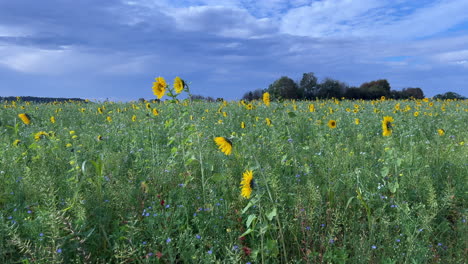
<point>114,49</point>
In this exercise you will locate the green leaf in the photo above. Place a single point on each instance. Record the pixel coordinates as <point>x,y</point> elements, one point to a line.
<point>250,219</point>
<point>246,232</point>
<point>271,214</point>
<point>384,171</point>
<point>349,201</point>
<point>291,114</point>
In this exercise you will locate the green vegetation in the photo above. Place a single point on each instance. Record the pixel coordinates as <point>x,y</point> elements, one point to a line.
<point>146,183</point>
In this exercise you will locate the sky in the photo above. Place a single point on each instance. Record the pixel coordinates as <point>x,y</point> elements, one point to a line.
<point>114,49</point>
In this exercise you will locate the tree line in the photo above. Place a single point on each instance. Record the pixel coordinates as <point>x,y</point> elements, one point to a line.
<point>308,88</point>
<point>35,99</point>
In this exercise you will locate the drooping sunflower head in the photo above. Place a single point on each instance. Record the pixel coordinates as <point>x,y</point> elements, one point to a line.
<point>16,142</point>
<point>387,126</point>
<point>224,144</point>
<point>266,99</point>
<point>159,87</point>
<point>178,85</point>
<point>247,183</point>
<point>332,124</point>
<point>25,118</point>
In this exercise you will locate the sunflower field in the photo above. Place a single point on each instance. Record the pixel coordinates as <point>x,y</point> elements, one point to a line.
<point>180,181</point>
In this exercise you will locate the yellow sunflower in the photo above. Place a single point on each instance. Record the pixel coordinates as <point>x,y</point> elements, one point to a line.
<point>332,124</point>
<point>242,125</point>
<point>224,144</point>
<point>387,126</point>
<point>52,119</point>
<point>441,132</point>
<point>40,135</point>
<point>268,121</point>
<point>148,106</point>
<point>266,99</point>
<point>25,118</point>
<point>159,87</point>
<point>178,85</point>
<point>16,142</point>
<point>247,184</point>
<point>356,121</point>
<point>134,118</point>
<point>155,112</point>
<point>311,108</point>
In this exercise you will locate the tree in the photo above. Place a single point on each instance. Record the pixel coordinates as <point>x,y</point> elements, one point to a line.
<point>284,88</point>
<point>375,89</point>
<point>331,88</point>
<point>449,95</point>
<point>416,93</point>
<point>308,86</point>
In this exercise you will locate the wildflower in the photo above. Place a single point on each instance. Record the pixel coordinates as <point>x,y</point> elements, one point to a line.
<point>387,126</point>
<point>332,124</point>
<point>52,119</point>
<point>155,112</point>
<point>159,87</point>
<point>266,99</point>
<point>16,142</point>
<point>247,184</point>
<point>25,118</point>
<point>441,132</point>
<point>178,85</point>
<point>40,135</point>
<point>224,144</point>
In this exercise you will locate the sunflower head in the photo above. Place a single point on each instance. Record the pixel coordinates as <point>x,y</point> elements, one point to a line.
<point>40,135</point>
<point>268,121</point>
<point>25,118</point>
<point>224,144</point>
<point>441,132</point>
<point>387,126</point>
<point>155,112</point>
<point>159,87</point>
<point>332,124</point>
<point>266,99</point>
<point>247,184</point>
<point>16,142</point>
<point>179,85</point>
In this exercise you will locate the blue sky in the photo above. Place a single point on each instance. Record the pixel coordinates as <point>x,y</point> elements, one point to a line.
<point>114,49</point>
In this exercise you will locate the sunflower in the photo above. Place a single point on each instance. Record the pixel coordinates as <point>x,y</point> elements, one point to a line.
<point>52,119</point>
<point>356,121</point>
<point>16,142</point>
<point>441,132</point>
<point>109,119</point>
<point>266,99</point>
<point>242,125</point>
<point>148,106</point>
<point>224,145</point>
<point>247,184</point>
<point>178,85</point>
<point>268,121</point>
<point>25,118</point>
<point>159,87</point>
<point>134,118</point>
<point>155,112</point>
<point>387,126</point>
<point>311,108</point>
<point>40,135</point>
<point>332,124</point>
<point>99,138</point>
<point>249,106</point>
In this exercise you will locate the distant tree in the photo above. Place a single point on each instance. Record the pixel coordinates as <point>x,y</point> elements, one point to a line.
<point>416,93</point>
<point>308,86</point>
<point>141,100</point>
<point>331,88</point>
<point>284,88</point>
<point>375,89</point>
<point>353,93</point>
<point>449,95</point>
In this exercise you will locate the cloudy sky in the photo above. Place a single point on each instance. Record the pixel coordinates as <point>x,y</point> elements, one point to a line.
<point>115,48</point>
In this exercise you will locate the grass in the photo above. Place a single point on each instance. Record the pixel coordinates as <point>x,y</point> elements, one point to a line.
<point>145,188</point>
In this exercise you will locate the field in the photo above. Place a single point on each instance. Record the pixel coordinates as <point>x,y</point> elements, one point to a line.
<point>146,182</point>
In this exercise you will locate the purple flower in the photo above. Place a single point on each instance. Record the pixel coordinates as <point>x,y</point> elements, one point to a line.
<point>210,252</point>
<point>59,250</point>
<point>374,247</point>
<point>168,240</point>
<point>198,236</point>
